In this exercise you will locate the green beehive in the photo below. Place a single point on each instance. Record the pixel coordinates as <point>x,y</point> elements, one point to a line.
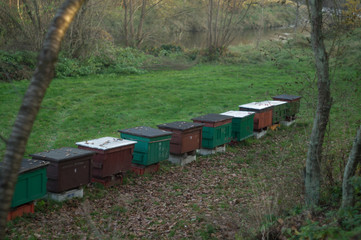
<point>31,183</point>
<point>242,124</point>
<point>294,106</point>
<point>152,144</point>
<point>280,110</point>
<point>216,131</point>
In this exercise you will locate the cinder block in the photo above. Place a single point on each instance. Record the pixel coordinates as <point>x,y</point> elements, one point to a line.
<point>206,151</point>
<point>287,123</point>
<point>258,135</point>
<point>73,193</point>
<point>183,159</point>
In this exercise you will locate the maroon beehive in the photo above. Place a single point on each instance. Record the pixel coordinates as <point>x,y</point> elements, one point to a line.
<point>186,137</point>
<point>263,114</point>
<point>68,168</point>
<point>112,156</point>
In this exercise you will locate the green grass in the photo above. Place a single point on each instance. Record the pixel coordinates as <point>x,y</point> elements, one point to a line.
<point>253,179</point>
<point>77,109</point>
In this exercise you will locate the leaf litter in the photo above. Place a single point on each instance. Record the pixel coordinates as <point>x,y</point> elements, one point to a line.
<point>215,197</point>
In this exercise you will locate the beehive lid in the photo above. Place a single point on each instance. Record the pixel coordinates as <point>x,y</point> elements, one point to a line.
<point>212,117</point>
<point>180,125</point>
<point>238,114</point>
<point>256,105</point>
<point>287,97</point>
<point>62,154</point>
<point>147,132</point>
<point>29,164</point>
<point>275,103</point>
<point>105,143</point>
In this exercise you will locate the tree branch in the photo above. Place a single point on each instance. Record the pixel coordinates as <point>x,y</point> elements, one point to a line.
<point>34,95</point>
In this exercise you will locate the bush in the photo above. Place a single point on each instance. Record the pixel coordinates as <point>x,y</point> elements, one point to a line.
<point>17,66</point>
<point>115,60</point>
<point>163,50</point>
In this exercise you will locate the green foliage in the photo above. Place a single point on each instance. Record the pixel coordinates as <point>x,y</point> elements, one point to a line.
<point>16,66</point>
<point>115,60</point>
<point>163,50</point>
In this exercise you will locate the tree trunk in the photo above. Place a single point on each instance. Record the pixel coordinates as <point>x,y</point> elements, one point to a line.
<point>210,19</point>
<point>140,25</point>
<point>215,31</point>
<point>125,22</point>
<point>297,14</point>
<point>314,155</point>
<point>353,160</point>
<point>34,95</point>
<point>131,23</point>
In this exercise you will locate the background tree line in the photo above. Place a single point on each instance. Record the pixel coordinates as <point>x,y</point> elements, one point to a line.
<point>134,23</point>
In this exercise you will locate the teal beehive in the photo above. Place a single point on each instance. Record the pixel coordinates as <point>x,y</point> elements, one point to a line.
<point>242,124</point>
<point>31,183</point>
<point>217,129</point>
<point>152,144</point>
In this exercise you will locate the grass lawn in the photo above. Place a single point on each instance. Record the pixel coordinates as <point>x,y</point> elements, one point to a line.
<point>77,109</point>
<point>217,197</point>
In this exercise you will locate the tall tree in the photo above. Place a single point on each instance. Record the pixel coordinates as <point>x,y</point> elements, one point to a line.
<point>34,95</point>
<point>224,22</point>
<point>134,10</point>
<point>314,154</point>
<point>353,160</point>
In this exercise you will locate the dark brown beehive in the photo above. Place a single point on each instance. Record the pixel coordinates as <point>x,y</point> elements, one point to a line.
<point>186,137</point>
<point>68,168</point>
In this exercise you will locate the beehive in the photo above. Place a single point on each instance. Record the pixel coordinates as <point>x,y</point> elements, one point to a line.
<point>294,103</point>
<point>31,183</point>
<point>242,124</point>
<point>186,136</point>
<point>280,110</point>
<point>217,129</point>
<point>263,114</point>
<point>152,144</point>
<point>112,156</point>
<point>68,168</point>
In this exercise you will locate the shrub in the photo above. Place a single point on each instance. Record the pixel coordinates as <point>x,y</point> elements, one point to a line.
<point>16,66</point>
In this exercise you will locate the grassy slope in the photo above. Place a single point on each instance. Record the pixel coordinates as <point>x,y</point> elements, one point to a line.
<point>76,109</point>
<point>218,196</point>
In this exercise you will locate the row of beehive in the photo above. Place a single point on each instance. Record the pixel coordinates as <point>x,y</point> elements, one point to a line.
<point>67,168</point>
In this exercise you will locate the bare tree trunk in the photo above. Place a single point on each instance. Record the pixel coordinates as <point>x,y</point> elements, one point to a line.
<point>314,155</point>
<point>125,4</point>
<point>40,81</point>
<point>210,19</point>
<point>131,21</point>
<point>37,14</point>
<point>140,25</point>
<point>215,31</point>
<point>353,160</point>
<point>297,14</point>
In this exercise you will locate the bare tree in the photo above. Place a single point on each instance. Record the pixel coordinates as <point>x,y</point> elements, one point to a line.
<point>353,160</point>
<point>135,35</point>
<point>314,154</point>
<point>224,22</point>
<point>40,81</point>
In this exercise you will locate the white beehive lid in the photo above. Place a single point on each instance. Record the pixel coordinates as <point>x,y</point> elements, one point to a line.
<point>105,143</point>
<point>257,105</point>
<point>274,102</point>
<point>238,114</point>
